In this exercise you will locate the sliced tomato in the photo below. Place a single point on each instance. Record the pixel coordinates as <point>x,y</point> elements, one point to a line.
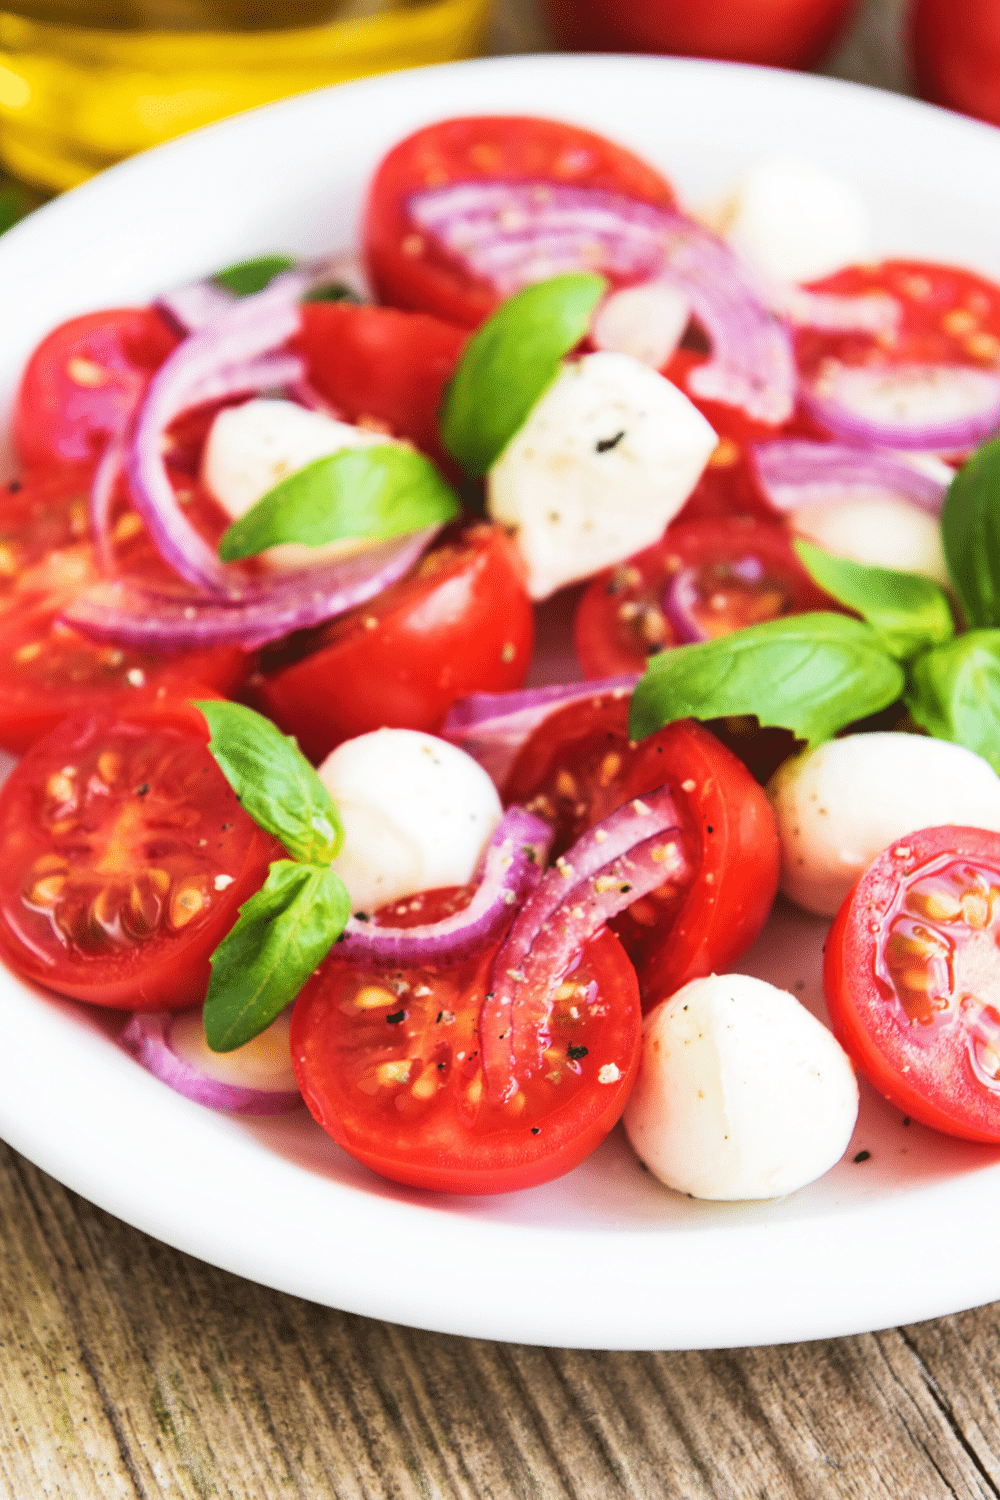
<point>382,368</point>
<point>461,623</point>
<point>912,978</point>
<point>579,765</point>
<point>408,269</point>
<point>84,381</point>
<point>389,1064</point>
<point>47,557</point>
<point>126,856</point>
<point>738,570</point>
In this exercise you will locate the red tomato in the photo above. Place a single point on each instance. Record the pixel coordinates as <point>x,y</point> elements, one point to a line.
<point>47,557</point>
<point>408,270</point>
<point>912,978</point>
<point>120,833</point>
<point>460,623</point>
<point>390,1067</point>
<point>620,620</point>
<point>781,33</point>
<point>956,55</point>
<point>381,367</point>
<point>84,381</point>
<point>579,765</point>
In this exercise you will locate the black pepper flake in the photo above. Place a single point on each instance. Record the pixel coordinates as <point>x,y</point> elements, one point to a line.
<point>361,916</point>
<point>141,791</point>
<point>862,1156</point>
<point>709,828</point>
<point>576,1053</point>
<point>536,1130</point>
<point>605,445</point>
<point>226,827</point>
<point>906,1120</point>
<point>14,486</point>
<point>396,1017</point>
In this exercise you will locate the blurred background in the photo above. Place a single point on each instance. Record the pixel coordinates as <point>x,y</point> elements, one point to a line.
<point>84,83</point>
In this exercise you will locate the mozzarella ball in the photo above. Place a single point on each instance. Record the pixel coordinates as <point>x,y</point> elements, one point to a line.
<point>265,1062</point>
<point>878,530</point>
<point>417,814</point>
<point>791,220</point>
<point>646,321</point>
<point>840,805</point>
<point>606,459</point>
<point>741,1092</point>
<point>251,448</point>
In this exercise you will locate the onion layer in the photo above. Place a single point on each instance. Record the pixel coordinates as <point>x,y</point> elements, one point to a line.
<point>931,408</point>
<point>148,1038</point>
<point>792,473</point>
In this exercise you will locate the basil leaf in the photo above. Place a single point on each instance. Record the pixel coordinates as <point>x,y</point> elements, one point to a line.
<point>810,673</point>
<point>512,359</point>
<point>970,530</point>
<point>275,783</point>
<point>332,291</point>
<point>281,935</point>
<point>249,276</point>
<point>374,493</point>
<point>954,693</point>
<point>908,612</point>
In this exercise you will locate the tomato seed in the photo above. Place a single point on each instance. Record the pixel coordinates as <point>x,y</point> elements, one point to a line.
<point>372,997</point>
<point>186,904</point>
<point>426,1085</point>
<point>47,892</point>
<point>86,373</point>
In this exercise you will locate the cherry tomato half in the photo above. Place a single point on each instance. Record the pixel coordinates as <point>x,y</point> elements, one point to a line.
<point>460,623</point>
<point>956,55</point>
<point>407,268</point>
<point>83,382</point>
<point>912,978</point>
<point>390,1066</point>
<point>579,765</point>
<point>126,856</point>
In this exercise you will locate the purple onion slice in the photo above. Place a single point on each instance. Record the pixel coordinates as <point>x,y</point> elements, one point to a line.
<point>258,1086</point>
<point>626,856</point>
<point>872,312</point>
<point>931,408</point>
<point>191,307</point>
<point>513,234</point>
<point>792,473</point>
<point>511,869</point>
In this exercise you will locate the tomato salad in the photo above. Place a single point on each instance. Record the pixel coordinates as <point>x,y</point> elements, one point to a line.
<point>268,589</point>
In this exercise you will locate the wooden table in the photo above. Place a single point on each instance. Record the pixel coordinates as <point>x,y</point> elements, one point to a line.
<point>131,1370</point>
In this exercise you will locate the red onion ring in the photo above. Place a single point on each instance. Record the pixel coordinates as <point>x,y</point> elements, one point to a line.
<point>492,727</point>
<point>683,593</point>
<point>511,234</point>
<point>841,398</point>
<point>792,472</point>
<point>191,307</point>
<point>510,870</point>
<point>873,312</point>
<point>147,1038</point>
<point>632,852</point>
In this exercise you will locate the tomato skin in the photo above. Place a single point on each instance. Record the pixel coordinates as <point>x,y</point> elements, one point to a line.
<point>956,55</point>
<point>74,811</point>
<point>409,273</point>
<point>778,33</point>
<point>381,365</point>
<point>726,820</point>
<point>922,1067</point>
<point>446,1145</point>
<point>84,380</point>
<point>462,622</point>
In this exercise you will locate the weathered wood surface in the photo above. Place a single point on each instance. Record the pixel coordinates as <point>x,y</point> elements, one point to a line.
<point>130,1370</point>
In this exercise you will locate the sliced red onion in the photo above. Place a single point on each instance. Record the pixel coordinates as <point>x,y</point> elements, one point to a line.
<point>633,852</point>
<point>511,868</point>
<point>511,234</point>
<point>933,408</point>
<point>148,1038</point>
<point>102,490</point>
<point>127,614</point>
<point>189,308</point>
<point>683,597</point>
<point>792,473</point>
<point>873,312</point>
<point>492,727</point>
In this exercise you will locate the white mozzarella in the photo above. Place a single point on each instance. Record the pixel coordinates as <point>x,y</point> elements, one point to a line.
<point>840,805</point>
<point>879,530</point>
<point>793,221</point>
<point>251,448</point>
<point>741,1092</point>
<point>645,321</point>
<point>417,813</point>
<point>265,1062</point>
<point>605,460</point>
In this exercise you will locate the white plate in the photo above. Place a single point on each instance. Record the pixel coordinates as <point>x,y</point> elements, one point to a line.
<point>603,1258</point>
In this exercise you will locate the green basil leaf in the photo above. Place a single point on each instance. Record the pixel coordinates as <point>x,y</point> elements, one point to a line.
<point>275,783</point>
<point>511,361</point>
<point>970,529</point>
<point>374,493</point>
<point>810,673</point>
<point>249,276</point>
<point>954,693</point>
<point>332,291</point>
<point>281,935</point>
<point>908,612</point>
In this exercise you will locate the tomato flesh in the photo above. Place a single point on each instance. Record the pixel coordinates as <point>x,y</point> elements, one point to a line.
<point>126,855</point>
<point>912,978</point>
